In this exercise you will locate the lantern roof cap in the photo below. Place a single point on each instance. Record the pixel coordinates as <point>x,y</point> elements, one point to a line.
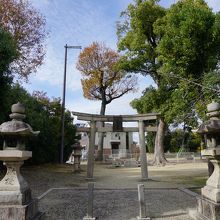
<point>210,126</point>
<point>16,126</point>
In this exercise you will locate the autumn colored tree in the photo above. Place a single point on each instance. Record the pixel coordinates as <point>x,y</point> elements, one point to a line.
<point>102,80</point>
<point>27,27</point>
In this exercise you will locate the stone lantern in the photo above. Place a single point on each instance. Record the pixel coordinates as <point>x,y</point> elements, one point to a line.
<point>77,156</point>
<point>15,195</point>
<point>208,206</point>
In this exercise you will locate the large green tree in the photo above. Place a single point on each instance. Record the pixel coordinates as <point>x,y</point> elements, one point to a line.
<point>190,39</point>
<point>138,41</point>
<point>137,38</point>
<point>186,50</point>
<point>189,51</point>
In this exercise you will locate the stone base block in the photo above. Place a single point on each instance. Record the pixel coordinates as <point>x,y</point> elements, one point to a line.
<point>211,193</point>
<point>145,179</point>
<point>89,218</point>
<point>141,218</point>
<point>15,197</point>
<point>90,179</point>
<point>206,210</point>
<point>21,212</point>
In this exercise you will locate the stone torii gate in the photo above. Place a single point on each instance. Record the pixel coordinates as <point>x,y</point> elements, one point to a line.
<point>143,125</point>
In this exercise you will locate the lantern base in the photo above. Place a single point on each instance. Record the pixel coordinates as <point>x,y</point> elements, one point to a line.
<point>211,193</point>
<point>14,190</point>
<point>89,218</point>
<point>21,212</point>
<point>15,197</point>
<point>206,209</point>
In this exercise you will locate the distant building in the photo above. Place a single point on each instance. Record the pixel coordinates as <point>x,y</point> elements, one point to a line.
<point>116,144</point>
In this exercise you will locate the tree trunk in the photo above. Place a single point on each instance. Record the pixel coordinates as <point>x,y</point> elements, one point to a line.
<point>159,157</point>
<point>99,156</point>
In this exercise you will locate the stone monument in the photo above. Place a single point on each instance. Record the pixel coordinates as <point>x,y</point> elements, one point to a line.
<point>208,205</point>
<point>15,195</point>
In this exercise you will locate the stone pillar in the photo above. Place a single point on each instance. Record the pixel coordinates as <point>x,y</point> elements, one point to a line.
<point>90,164</point>
<point>90,203</point>
<point>142,205</point>
<point>212,188</point>
<point>143,156</point>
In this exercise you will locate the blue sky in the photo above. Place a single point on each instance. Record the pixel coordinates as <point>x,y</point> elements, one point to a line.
<point>81,22</point>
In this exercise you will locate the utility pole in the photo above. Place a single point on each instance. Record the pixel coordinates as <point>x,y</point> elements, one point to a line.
<point>63,100</point>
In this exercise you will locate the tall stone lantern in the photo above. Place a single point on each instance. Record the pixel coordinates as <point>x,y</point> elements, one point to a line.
<point>15,195</point>
<point>208,205</point>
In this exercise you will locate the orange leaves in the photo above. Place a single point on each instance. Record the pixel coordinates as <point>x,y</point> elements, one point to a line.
<point>101,79</point>
<point>96,58</point>
<point>90,89</point>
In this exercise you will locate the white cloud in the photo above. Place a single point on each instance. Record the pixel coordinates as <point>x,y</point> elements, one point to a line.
<point>214,4</point>
<point>52,71</point>
<point>117,106</point>
<point>40,3</point>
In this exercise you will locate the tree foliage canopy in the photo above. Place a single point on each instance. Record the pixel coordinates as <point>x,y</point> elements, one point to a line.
<point>7,55</point>
<point>179,48</point>
<point>7,50</point>
<point>27,27</point>
<point>189,51</point>
<point>189,45</point>
<point>186,54</point>
<point>137,38</point>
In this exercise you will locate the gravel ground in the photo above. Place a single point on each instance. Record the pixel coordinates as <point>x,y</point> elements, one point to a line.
<point>116,204</point>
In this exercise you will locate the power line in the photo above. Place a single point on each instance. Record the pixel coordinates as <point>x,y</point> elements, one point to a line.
<point>195,83</point>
